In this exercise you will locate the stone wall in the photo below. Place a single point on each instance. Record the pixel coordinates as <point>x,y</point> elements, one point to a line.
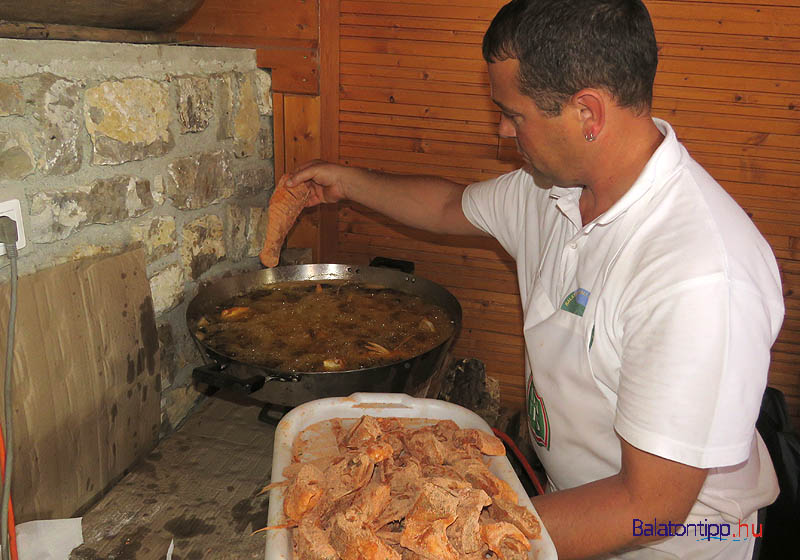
<point>112,146</point>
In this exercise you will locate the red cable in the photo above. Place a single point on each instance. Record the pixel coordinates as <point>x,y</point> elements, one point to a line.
<point>521,458</point>
<point>12,532</point>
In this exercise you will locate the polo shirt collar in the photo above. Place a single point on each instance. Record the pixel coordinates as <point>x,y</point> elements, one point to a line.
<point>655,172</point>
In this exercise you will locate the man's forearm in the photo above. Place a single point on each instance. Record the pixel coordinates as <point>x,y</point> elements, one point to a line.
<point>597,518</point>
<point>420,201</point>
<point>592,519</point>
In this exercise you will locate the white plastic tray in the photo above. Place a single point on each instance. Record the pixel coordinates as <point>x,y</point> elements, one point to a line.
<point>279,545</point>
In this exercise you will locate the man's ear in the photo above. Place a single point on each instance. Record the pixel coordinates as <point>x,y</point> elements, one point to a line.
<point>591,106</point>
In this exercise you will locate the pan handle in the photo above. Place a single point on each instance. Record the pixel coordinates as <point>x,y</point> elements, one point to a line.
<point>213,375</point>
<point>397,264</point>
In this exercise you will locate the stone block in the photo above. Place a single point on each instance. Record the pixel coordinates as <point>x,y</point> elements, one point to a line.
<point>203,245</point>
<point>256,230</point>
<point>200,180</point>
<point>16,155</point>
<point>236,236</point>
<point>12,101</point>
<point>158,236</point>
<point>57,110</point>
<point>57,214</point>
<point>256,180</point>
<point>263,81</point>
<point>128,120</point>
<point>239,113</point>
<point>166,287</point>
<point>266,141</point>
<point>195,103</point>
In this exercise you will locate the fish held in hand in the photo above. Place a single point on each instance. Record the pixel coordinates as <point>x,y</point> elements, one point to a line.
<point>285,206</point>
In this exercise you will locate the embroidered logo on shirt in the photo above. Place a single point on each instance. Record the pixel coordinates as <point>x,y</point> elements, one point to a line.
<point>576,302</point>
<point>537,417</point>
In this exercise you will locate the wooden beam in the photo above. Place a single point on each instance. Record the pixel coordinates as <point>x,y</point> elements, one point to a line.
<point>329,119</point>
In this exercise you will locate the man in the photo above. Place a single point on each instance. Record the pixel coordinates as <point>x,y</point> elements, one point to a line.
<point>650,300</point>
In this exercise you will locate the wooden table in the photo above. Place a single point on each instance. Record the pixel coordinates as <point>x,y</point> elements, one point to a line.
<point>197,488</point>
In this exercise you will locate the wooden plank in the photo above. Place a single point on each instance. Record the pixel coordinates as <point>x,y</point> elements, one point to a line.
<point>448,50</point>
<point>391,9</point>
<point>675,104</point>
<point>260,18</point>
<point>420,134</point>
<point>438,86</point>
<point>757,127</point>
<point>405,34</point>
<point>53,31</point>
<point>729,82</point>
<point>416,145</point>
<point>412,73</point>
<point>402,96</point>
<point>294,70</point>
<point>739,69</point>
<point>279,133</point>
<point>710,17</point>
<point>410,22</point>
<point>737,84</point>
<point>753,42</point>
<point>303,143</point>
<point>413,61</point>
<point>426,159</point>
<point>424,111</point>
<point>421,123</point>
<point>458,175</point>
<point>329,119</point>
<point>727,53</point>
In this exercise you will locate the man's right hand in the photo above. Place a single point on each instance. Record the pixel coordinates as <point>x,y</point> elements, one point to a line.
<point>327,181</point>
<point>421,201</point>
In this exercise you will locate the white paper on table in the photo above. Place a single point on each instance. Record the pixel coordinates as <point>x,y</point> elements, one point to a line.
<point>51,539</point>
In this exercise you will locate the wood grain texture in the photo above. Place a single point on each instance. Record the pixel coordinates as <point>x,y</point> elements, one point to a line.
<point>414,99</point>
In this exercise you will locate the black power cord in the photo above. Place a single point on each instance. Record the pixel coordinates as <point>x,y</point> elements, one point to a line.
<point>8,236</point>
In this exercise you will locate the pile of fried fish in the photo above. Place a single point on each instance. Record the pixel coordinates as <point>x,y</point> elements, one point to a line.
<point>393,492</point>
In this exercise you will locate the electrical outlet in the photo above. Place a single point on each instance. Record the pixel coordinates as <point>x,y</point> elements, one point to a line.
<point>13,210</point>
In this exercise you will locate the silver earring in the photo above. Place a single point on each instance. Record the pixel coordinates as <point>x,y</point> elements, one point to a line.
<point>590,137</point>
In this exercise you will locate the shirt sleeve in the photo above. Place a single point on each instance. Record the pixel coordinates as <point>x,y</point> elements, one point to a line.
<point>694,368</point>
<point>498,207</point>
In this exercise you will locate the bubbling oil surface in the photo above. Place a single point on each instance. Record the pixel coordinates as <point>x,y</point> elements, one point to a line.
<point>307,326</point>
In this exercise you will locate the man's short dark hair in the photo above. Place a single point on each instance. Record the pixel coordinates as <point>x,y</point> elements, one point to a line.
<point>564,46</point>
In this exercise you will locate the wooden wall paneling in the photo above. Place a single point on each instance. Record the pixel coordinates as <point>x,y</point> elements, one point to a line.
<point>254,21</point>
<point>329,120</point>
<point>302,143</point>
<point>278,133</point>
<point>414,99</point>
<point>293,70</point>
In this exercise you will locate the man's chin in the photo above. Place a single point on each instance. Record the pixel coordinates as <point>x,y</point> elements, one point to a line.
<point>539,178</point>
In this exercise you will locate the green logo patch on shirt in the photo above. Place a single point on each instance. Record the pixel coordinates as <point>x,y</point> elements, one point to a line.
<point>576,302</point>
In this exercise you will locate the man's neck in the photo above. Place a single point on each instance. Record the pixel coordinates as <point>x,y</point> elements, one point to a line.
<point>619,159</point>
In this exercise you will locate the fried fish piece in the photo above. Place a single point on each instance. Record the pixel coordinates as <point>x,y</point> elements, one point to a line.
<point>521,517</point>
<point>505,540</point>
<point>426,524</point>
<point>285,206</point>
<point>476,472</point>
<point>487,444</point>
<point>353,541</point>
<point>303,493</point>
<point>347,474</point>
<point>464,533</point>
<point>425,446</point>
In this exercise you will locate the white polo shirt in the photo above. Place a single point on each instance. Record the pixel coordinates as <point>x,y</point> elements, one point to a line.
<point>654,321</point>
